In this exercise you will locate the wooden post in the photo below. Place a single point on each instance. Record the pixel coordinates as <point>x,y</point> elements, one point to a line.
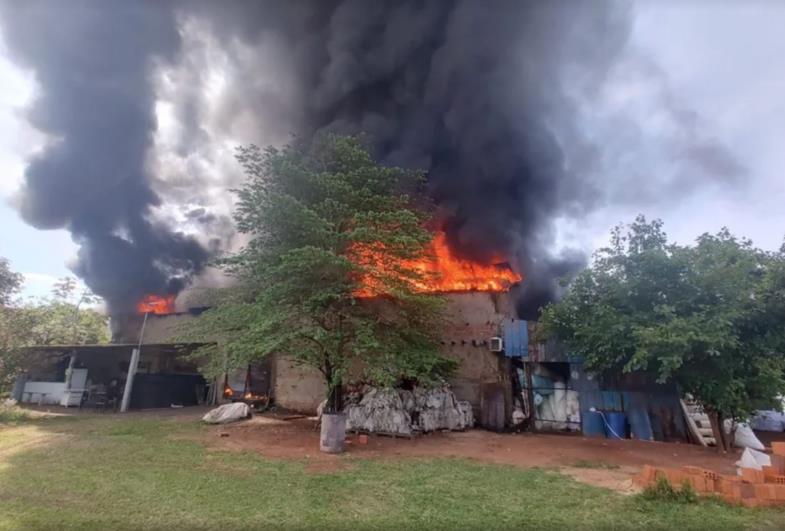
<point>527,369</point>
<point>506,365</point>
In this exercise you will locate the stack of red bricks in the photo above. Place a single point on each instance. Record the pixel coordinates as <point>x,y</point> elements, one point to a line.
<point>754,488</point>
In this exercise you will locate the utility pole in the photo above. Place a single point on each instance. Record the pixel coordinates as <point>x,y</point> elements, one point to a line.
<point>132,366</point>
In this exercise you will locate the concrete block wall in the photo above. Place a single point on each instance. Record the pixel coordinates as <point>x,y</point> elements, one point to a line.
<point>295,387</point>
<point>470,320</point>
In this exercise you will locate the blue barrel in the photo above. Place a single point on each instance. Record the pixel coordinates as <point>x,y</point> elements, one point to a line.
<point>593,425</point>
<point>617,422</point>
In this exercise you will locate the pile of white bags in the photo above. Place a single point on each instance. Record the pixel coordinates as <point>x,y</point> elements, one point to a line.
<point>227,413</point>
<point>403,412</point>
<point>559,410</point>
<point>379,410</point>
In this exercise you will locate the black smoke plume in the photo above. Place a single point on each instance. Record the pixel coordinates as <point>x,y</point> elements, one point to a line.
<point>474,91</point>
<point>486,95</point>
<point>92,62</point>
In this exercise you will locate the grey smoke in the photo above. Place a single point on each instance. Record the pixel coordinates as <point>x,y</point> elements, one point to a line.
<point>489,96</point>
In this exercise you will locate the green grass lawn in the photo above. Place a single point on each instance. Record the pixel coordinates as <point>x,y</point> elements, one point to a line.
<point>110,472</point>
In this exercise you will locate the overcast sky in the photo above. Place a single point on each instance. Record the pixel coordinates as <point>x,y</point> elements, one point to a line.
<point>723,60</point>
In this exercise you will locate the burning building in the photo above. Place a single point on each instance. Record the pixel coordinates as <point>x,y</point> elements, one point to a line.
<point>480,95</point>
<point>503,371</point>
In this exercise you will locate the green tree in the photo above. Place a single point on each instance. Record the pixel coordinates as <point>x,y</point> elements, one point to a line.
<point>10,282</point>
<point>708,316</point>
<point>327,276</point>
<point>57,320</point>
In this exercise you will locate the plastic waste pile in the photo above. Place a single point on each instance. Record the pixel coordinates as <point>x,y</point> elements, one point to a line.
<point>403,412</point>
<point>557,407</point>
<point>379,410</point>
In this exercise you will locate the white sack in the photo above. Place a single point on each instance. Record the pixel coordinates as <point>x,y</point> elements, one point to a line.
<point>753,459</point>
<point>227,413</point>
<point>744,437</point>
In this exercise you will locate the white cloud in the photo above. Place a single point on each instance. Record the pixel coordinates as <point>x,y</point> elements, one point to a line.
<point>17,138</point>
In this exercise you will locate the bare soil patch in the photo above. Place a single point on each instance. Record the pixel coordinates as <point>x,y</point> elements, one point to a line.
<point>601,462</point>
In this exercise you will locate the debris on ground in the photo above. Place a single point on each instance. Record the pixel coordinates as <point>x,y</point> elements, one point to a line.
<point>227,413</point>
<point>755,487</point>
<point>403,412</point>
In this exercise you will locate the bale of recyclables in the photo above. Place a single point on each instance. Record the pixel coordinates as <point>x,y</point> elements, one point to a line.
<point>403,412</point>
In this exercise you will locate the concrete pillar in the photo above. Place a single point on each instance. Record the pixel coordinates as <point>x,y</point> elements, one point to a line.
<point>129,381</point>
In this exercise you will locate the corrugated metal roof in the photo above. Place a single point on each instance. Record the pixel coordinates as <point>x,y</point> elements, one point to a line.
<point>111,346</point>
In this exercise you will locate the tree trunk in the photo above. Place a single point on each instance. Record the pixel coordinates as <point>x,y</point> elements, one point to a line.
<point>718,430</point>
<point>335,398</point>
<point>334,390</point>
<point>727,438</point>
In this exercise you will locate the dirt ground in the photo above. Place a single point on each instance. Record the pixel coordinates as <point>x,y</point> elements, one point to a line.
<point>601,462</point>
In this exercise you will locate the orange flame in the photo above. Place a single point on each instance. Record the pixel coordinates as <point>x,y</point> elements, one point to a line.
<point>157,304</point>
<point>445,272</point>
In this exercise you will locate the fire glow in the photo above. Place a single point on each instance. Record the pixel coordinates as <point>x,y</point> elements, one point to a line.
<point>446,272</point>
<point>157,304</point>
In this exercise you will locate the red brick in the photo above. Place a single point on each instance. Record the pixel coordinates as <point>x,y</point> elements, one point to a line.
<point>778,492</point>
<point>750,475</point>
<point>649,473</point>
<point>778,464</point>
<point>762,491</point>
<point>747,491</point>
<point>778,448</point>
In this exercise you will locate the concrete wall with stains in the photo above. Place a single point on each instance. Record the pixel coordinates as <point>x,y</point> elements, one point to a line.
<point>471,319</point>
<point>295,387</point>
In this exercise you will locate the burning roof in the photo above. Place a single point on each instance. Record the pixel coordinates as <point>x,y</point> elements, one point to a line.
<point>443,271</point>
<point>156,304</point>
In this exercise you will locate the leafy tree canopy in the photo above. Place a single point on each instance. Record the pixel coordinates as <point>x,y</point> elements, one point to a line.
<point>10,282</point>
<point>709,317</point>
<point>326,276</point>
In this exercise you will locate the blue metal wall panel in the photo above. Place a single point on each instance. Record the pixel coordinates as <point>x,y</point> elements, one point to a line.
<point>516,338</point>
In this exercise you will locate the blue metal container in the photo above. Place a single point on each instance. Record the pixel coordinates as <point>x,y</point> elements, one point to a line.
<point>516,338</point>
<point>593,425</point>
<point>616,425</point>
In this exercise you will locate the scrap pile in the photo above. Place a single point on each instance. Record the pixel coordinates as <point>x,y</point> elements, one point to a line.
<point>402,412</point>
<point>754,487</point>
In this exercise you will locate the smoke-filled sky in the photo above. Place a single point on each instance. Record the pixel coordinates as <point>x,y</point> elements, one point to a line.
<point>541,127</point>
